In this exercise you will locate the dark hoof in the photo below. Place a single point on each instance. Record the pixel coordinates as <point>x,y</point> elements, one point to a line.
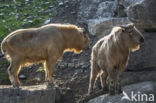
<point>105,89</point>
<point>119,91</point>
<point>49,85</point>
<point>90,93</point>
<point>15,87</point>
<point>111,93</point>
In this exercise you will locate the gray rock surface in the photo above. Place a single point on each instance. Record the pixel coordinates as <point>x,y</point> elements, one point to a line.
<point>135,77</point>
<point>105,9</point>
<point>90,9</point>
<point>127,3</point>
<point>145,58</point>
<point>129,78</point>
<point>103,26</point>
<point>143,14</point>
<point>28,94</point>
<point>148,88</point>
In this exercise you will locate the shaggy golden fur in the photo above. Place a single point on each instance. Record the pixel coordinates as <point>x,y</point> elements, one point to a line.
<point>45,44</point>
<point>110,56</point>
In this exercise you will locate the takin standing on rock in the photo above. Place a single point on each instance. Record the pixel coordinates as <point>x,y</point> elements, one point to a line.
<point>110,56</point>
<point>45,44</point>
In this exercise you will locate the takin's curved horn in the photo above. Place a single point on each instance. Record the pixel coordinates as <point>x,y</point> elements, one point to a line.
<point>128,26</point>
<point>84,25</point>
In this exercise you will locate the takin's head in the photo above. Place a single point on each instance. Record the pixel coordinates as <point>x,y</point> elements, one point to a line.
<point>132,36</point>
<point>85,41</point>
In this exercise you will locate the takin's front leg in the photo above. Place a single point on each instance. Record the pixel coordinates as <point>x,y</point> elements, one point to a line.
<point>13,70</point>
<point>103,78</point>
<point>111,75</point>
<point>49,70</point>
<point>93,76</point>
<point>120,71</point>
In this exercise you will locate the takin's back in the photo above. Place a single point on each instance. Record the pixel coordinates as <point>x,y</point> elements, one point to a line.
<point>28,40</point>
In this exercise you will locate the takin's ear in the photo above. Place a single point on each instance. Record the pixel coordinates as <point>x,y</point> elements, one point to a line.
<point>84,27</point>
<point>83,31</point>
<point>127,27</point>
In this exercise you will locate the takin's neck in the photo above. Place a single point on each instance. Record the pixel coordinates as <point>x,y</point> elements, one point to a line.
<point>71,42</point>
<point>121,44</point>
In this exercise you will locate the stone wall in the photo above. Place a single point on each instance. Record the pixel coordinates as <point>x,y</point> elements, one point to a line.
<point>27,94</point>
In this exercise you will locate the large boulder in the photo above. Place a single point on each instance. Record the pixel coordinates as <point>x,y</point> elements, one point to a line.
<point>136,93</point>
<point>136,77</point>
<point>103,26</point>
<point>28,94</point>
<point>143,14</point>
<point>122,5</point>
<point>129,78</point>
<point>90,9</point>
<point>127,3</point>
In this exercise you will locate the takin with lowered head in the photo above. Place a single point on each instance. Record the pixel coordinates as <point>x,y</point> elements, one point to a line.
<point>45,44</point>
<point>110,55</point>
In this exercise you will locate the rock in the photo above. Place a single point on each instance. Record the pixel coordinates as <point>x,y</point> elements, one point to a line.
<point>105,9</point>
<point>47,21</point>
<point>95,9</point>
<point>21,76</point>
<point>143,14</point>
<point>127,3</point>
<point>103,26</point>
<point>71,65</point>
<point>121,7</point>
<point>129,78</point>
<point>134,92</point>
<point>28,94</point>
<point>145,58</point>
<point>50,7</point>
<point>60,4</point>
<point>135,77</point>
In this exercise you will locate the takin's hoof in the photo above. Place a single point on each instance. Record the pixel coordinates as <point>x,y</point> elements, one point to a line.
<point>111,92</point>
<point>119,91</point>
<point>16,86</point>
<point>50,85</point>
<point>90,93</point>
<point>105,89</point>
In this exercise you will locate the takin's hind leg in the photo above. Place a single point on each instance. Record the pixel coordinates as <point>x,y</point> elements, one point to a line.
<point>49,70</point>
<point>93,76</point>
<point>103,78</point>
<point>13,71</point>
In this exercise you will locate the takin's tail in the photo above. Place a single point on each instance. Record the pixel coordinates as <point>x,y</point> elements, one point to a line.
<point>3,49</point>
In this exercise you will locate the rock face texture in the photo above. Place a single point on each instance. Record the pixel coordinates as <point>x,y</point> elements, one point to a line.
<point>102,27</point>
<point>145,58</point>
<point>139,89</point>
<point>29,94</point>
<point>143,14</point>
<point>96,9</point>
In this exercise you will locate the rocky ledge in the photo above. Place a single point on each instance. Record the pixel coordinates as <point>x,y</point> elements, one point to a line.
<point>27,94</point>
<point>136,93</point>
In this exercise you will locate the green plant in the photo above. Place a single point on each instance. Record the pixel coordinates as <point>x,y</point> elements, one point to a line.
<point>4,76</point>
<point>4,63</point>
<point>41,69</point>
<point>24,14</point>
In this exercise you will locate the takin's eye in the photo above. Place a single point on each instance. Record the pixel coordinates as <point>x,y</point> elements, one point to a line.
<point>130,31</point>
<point>85,36</point>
